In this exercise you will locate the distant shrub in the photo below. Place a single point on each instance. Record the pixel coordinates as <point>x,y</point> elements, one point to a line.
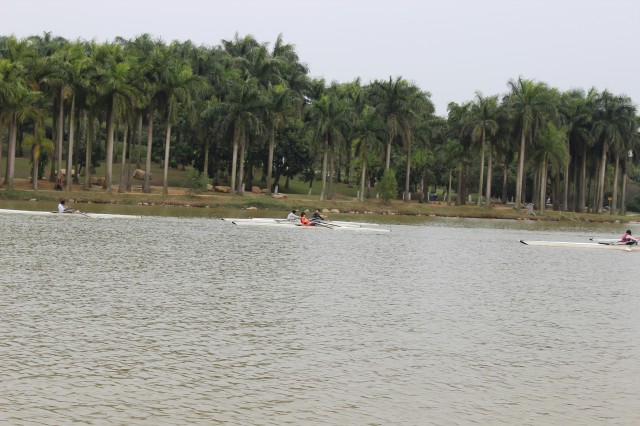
<point>387,186</point>
<point>196,181</point>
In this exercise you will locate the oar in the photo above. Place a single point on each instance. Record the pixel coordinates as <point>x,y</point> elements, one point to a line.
<point>327,225</point>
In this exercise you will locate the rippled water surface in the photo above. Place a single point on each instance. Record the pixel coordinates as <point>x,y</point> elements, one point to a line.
<point>197,321</point>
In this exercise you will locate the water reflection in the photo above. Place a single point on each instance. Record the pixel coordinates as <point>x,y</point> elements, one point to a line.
<point>189,320</point>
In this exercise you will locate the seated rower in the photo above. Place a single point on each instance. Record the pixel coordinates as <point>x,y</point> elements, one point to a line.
<point>292,216</point>
<point>628,239</point>
<point>316,216</point>
<point>305,221</point>
<point>62,208</point>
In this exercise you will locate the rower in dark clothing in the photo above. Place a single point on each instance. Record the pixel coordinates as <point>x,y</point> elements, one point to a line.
<point>317,217</point>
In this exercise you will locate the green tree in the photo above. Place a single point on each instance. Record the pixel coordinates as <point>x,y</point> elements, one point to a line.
<point>387,186</point>
<point>369,139</point>
<point>327,118</point>
<point>530,108</point>
<point>482,124</point>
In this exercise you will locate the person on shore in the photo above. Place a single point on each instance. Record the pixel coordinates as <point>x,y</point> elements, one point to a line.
<point>62,208</point>
<point>317,217</point>
<point>293,216</point>
<point>305,221</point>
<point>628,239</point>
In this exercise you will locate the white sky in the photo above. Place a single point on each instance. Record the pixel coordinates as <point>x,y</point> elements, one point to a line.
<point>450,48</point>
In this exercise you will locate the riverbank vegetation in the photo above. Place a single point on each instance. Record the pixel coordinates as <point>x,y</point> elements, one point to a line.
<point>246,114</point>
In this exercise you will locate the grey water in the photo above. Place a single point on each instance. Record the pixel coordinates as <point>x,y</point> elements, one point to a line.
<point>163,320</point>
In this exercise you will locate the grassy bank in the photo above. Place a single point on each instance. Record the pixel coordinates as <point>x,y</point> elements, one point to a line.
<point>344,204</point>
<point>295,196</point>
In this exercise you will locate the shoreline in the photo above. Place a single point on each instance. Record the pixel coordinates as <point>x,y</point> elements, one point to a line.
<point>179,197</point>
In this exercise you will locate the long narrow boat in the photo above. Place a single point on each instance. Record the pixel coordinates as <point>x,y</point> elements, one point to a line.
<point>74,214</point>
<point>606,240</point>
<point>278,220</point>
<point>274,221</point>
<point>621,247</point>
<point>283,223</point>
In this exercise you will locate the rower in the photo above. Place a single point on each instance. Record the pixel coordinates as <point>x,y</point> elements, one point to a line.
<point>317,217</point>
<point>62,208</point>
<point>292,216</point>
<point>628,239</point>
<point>305,221</point>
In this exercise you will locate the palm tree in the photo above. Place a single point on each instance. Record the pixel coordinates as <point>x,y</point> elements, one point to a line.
<point>80,74</point>
<point>38,143</point>
<point>450,155</point>
<point>369,139</point>
<point>530,107</point>
<point>11,85</point>
<point>551,148</point>
<point>116,91</point>
<point>613,118</point>
<point>327,118</point>
<point>177,87</point>
<point>239,112</point>
<point>390,98</point>
<point>483,122</point>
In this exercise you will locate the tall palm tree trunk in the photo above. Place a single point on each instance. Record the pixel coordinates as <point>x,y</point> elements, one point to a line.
<point>128,185</point>
<point>241,163</point>
<point>614,201</point>
<point>147,172</point>
<point>206,157</point>
<point>582,197</point>
<point>72,127</point>
<point>125,134</point>
<point>34,173</point>
<point>110,135</point>
<point>407,194</point>
<point>449,190</point>
<point>600,187</point>
<point>167,147</point>
<point>329,195</point>
<point>139,140</point>
<point>565,188</point>
<point>481,169</point>
<point>388,160</point>
<point>362,178</point>
<point>543,187</point>
<point>623,198</point>
<point>489,172</point>
<point>11,151</point>
<point>272,145</point>
<point>324,170</point>
<point>505,182</point>
<point>89,149</point>
<point>520,172</point>
<point>59,140</point>
<point>234,161</point>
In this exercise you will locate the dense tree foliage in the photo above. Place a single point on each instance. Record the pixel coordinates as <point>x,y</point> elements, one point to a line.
<point>245,107</point>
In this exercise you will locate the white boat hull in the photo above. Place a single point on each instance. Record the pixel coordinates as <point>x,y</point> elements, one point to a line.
<point>75,214</point>
<point>283,223</point>
<point>593,245</point>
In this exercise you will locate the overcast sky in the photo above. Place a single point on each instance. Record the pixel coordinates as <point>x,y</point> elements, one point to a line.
<point>450,48</point>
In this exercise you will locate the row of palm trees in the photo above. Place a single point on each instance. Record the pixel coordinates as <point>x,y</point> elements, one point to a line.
<point>244,106</point>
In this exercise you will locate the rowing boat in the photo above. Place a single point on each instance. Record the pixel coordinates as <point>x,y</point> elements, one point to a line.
<point>283,223</point>
<point>73,214</point>
<point>277,220</point>
<point>592,245</point>
<point>606,240</point>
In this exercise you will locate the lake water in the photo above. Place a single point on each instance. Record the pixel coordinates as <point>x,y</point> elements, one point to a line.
<point>170,321</point>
